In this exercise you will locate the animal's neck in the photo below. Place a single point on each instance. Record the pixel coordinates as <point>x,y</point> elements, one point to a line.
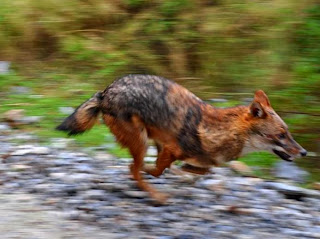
<point>225,130</point>
<point>235,116</point>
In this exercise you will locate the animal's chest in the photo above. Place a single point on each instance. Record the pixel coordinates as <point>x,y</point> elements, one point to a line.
<point>220,147</point>
<point>214,158</point>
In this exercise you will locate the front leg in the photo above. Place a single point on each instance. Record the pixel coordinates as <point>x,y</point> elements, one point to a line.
<point>164,160</point>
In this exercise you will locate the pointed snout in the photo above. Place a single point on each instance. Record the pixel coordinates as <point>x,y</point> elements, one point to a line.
<point>303,152</point>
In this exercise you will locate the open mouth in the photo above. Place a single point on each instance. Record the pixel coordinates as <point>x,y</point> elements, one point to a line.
<point>283,155</point>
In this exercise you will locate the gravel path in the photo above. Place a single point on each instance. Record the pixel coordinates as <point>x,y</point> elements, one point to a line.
<point>49,192</point>
<point>21,217</point>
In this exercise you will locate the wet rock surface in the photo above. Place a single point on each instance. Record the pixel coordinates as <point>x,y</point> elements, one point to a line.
<point>51,192</point>
<point>17,118</point>
<point>288,170</point>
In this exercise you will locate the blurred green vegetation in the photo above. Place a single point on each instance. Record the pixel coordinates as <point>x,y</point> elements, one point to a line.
<point>226,45</point>
<point>66,50</point>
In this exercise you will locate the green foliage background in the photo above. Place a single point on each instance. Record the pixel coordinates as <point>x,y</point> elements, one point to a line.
<point>227,45</point>
<point>65,50</point>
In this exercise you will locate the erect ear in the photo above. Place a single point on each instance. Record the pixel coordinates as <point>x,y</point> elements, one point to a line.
<point>256,110</point>
<point>261,98</point>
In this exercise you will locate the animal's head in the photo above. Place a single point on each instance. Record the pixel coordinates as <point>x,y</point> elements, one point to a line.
<point>269,132</point>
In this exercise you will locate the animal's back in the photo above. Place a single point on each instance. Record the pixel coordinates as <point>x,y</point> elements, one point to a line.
<point>157,101</point>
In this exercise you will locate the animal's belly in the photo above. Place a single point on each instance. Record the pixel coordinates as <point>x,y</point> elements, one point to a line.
<point>198,162</point>
<point>205,162</point>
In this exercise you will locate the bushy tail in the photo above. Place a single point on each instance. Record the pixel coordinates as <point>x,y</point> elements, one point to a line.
<point>84,117</point>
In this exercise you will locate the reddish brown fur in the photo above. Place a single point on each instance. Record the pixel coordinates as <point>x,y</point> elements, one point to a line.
<point>138,107</point>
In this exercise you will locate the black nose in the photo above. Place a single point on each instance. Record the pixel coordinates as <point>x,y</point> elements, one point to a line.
<point>303,152</point>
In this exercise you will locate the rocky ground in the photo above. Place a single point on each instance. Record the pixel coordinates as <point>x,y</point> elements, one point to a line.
<point>52,192</point>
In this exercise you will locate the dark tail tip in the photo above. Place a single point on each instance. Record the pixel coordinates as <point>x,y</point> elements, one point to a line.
<point>70,125</point>
<point>84,117</point>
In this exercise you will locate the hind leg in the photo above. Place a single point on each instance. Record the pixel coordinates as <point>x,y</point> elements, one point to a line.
<point>164,160</point>
<point>193,169</point>
<point>133,135</point>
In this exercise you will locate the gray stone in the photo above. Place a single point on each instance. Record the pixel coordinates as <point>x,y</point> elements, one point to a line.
<point>312,193</point>
<point>59,163</point>
<point>101,193</point>
<point>4,128</point>
<point>222,171</point>
<point>111,187</point>
<point>287,213</point>
<point>289,170</point>
<point>16,117</point>
<point>187,236</point>
<point>149,159</point>
<point>71,215</point>
<point>36,96</point>
<point>286,189</point>
<point>316,229</point>
<point>107,146</point>
<point>209,183</point>
<point>152,151</point>
<point>87,217</point>
<point>30,149</point>
<point>66,110</point>
<point>95,194</point>
<point>302,223</point>
<point>90,206</point>
<point>3,167</point>
<point>84,168</point>
<point>20,90</point>
<point>30,119</point>
<point>126,160</point>
<point>4,67</point>
<point>109,211</point>
<point>58,175</point>
<point>78,177</point>
<point>104,156</point>
<point>65,155</point>
<point>136,194</point>
<point>292,192</point>
<point>298,233</point>
<point>13,115</point>
<point>41,188</point>
<point>61,143</point>
<point>25,137</point>
<point>247,100</point>
<point>82,159</point>
<point>218,100</point>
<point>270,194</point>
<point>28,219</point>
<point>20,167</point>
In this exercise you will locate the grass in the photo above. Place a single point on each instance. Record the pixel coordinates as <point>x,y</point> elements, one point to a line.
<point>58,90</point>
<point>261,159</point>
<point>261,163</point>
<point>54,93</point>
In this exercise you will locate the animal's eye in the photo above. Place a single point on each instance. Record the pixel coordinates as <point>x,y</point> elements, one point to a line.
<point>281,136</point>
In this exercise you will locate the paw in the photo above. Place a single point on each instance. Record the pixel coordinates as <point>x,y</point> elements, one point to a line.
<point>148,168</point>
<point>152,170</point>
<point>160,197</point>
